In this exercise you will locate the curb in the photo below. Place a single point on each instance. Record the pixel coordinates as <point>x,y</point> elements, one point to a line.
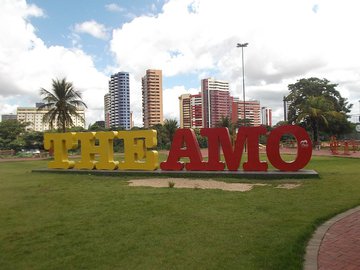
<point>313,247</point>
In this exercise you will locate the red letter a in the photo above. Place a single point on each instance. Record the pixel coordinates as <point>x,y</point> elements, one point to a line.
<point>184,137</point>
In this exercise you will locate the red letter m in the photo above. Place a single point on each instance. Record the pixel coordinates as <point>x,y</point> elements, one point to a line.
<point>220,137</point>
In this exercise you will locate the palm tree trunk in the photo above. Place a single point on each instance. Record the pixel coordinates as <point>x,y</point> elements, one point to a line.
<point>315,128</point>
<point>63,124</point>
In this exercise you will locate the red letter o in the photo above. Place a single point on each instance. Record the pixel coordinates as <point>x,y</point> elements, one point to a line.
<point>304,148</point>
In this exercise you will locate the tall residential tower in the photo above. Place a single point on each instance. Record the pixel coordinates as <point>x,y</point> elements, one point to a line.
<point>119,90</point>
<point>266,116</point>
<point>152,100</point>
<point>190,111</point>
<point>216,101</point>
<point>107,105</point>
<point>252,112</point>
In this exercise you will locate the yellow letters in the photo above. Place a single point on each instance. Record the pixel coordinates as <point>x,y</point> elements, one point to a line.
<point>106,150</point>
<point>88,150</point>
<point>136,144</point>
<point>137,150</point>
<point>60,143</point>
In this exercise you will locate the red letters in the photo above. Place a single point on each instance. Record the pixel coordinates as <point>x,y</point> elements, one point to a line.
<point>304,148</point>
<point>185,145</point>
<point>220,137</point>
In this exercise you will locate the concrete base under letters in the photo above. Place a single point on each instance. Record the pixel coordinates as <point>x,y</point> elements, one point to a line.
<point>271,174</point>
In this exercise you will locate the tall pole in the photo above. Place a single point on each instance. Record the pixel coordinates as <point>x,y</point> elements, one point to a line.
<point>285,109</point>
<point>242,45</point>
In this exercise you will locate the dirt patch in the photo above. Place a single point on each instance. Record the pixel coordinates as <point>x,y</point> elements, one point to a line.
<point>202,184</point>
<point>186,183</point>
<point>288,186</point>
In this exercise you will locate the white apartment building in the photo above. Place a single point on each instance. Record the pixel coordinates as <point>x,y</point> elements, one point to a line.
<point>35,117</point>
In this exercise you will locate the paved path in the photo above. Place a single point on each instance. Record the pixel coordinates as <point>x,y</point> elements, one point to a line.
<point>324,152</point>
<point>336,244</point>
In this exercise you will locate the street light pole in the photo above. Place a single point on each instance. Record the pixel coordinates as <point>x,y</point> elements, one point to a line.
<point>242,45</point>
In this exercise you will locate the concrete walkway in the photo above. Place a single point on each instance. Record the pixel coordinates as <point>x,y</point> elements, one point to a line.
<point>336,243</point>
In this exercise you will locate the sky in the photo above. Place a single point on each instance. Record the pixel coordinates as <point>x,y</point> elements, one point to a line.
<point>189,40</point>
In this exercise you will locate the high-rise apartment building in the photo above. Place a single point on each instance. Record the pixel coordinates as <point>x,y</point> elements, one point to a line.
<point>266,116</point>
<point>119,90</point>
<point>152,100</point>
<point>216,101</point>
<point>252,111</point>
<point>107,102</point>
<point>196,110</point>
<point>34,118</point>
<point>185,111</point>
<point>190,111</point>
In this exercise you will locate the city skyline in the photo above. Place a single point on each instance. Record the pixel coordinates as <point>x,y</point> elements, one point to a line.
<point>99,38</point>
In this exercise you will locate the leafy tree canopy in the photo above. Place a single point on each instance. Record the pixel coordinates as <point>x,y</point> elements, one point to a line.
<point>170,125</point>
<point>10,131</point>
<point>315,103</point>
<point>33,140</point>
<point>225,121</point>
<point>305,88</point>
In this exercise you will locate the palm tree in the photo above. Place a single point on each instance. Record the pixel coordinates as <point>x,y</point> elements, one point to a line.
<point>62,102</point>
<point>170,126</point>
<point>225,121</point>
<point>314,110</point>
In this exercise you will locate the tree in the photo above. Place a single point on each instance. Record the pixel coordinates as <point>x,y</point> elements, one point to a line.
<point>33,140</point>
<point>316,110</point>
<point>170,126</point>
<point>202,141</point>
<point>97,126</point>
<point>62,102</point>
<point>280,123</point>
<point>337,127</point>
<point>244,122</point>
<point>10,134</point>
<point>225,121</point>
<point>316,103</point>
<point>162,137</point>
<point>76,129</point>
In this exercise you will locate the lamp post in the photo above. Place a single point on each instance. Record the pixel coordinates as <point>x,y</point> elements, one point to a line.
<point>242,46</point>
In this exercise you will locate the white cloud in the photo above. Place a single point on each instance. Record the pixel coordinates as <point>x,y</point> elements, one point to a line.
<point>27,64</point>
<point>92,28</point>
<point>287,41</point>
<point>7,108</point>
<point>171,108</point>
<point>170,100</point>
<point>136,100</point>
<point>114,7</point>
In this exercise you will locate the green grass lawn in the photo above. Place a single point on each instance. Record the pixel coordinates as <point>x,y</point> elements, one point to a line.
<point>57,221</point>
